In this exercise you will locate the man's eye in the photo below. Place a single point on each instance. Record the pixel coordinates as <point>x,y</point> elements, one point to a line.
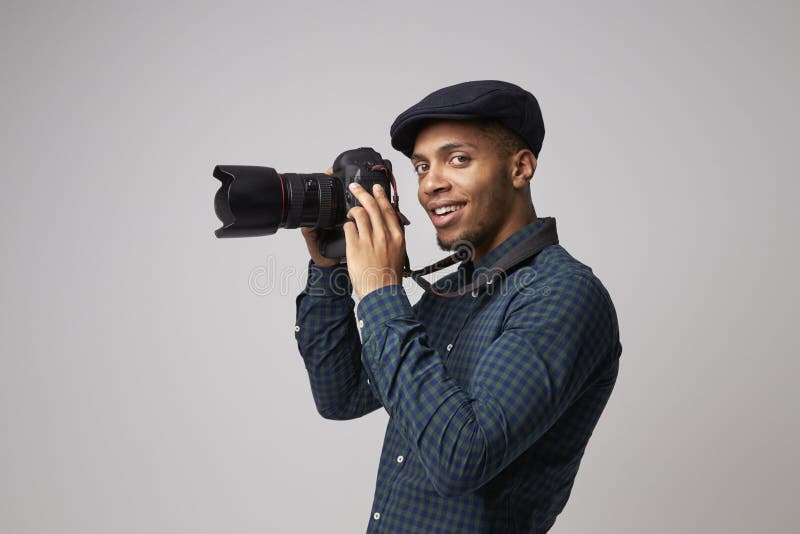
<point>420,167</point>
<point>460,160</point>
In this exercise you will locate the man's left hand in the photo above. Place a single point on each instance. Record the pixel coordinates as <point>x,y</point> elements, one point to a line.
<point>375,242</point>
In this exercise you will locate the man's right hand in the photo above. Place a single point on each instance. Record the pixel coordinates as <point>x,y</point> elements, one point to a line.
<point>311,236</point>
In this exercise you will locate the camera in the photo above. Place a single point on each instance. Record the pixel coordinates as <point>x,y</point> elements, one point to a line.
<point>256,201</point>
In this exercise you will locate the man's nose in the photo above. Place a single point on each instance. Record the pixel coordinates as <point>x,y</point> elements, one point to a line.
<point>434,181</point>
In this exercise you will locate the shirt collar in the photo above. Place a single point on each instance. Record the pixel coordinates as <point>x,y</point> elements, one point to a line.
<point>503,248</point>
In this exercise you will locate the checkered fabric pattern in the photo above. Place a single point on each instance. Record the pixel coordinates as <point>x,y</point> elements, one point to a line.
<point>492,397</point>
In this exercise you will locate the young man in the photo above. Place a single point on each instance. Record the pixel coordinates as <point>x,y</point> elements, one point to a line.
<point>493,394</point>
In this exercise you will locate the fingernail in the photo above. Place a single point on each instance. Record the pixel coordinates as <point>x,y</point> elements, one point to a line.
<point>353,186</point>
<point>377,188</point>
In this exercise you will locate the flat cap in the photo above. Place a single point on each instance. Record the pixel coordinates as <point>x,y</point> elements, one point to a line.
<point>513,107</point>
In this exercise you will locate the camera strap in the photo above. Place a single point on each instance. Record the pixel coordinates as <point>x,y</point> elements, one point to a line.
<point>522,251</point>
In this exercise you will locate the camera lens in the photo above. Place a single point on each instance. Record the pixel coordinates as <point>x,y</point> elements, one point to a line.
<point>254,201</point>
<point>313,200</point>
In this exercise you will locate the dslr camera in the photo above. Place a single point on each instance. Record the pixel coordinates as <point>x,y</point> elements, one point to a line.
<point>256,201</point>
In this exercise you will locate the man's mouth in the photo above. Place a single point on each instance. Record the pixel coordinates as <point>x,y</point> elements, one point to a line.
<point>447,214</point>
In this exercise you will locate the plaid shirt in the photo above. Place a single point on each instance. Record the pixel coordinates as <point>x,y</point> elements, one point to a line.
<point>492,397</point>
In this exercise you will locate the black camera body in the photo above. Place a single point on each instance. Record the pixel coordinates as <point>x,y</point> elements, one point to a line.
<point>363,166</point>
<point>255,201</point>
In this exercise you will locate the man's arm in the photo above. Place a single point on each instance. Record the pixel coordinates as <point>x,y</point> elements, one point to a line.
<point>465,434</point>
<point>329,343</point>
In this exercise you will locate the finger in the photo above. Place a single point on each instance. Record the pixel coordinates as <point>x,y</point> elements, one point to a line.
<point>350,233</point>
<point>372,209</point>
<point>329,171</point>
<point>362,222</point>
<point>389,214</point>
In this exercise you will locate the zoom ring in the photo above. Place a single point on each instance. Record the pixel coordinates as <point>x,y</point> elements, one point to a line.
<point>297,194</point>
<point>325,202</point>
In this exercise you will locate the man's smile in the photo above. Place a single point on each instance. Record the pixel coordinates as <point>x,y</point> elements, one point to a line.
<point>445,212</point>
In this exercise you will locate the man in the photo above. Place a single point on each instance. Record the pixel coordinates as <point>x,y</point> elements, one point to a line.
<point>492,394</point>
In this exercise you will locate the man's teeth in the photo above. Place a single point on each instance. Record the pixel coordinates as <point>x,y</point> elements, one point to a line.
<point>446,209</point>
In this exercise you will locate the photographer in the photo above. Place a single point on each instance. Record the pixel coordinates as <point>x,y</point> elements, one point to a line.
<point>494,392</point>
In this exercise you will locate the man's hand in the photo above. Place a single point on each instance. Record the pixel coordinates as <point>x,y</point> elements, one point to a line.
<point>375,242</point>
<point>311,236</point>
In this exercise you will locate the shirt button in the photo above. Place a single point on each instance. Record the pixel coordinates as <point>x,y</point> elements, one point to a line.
<point>361,323</point>
<point>296,328</point>
<point>376,516</point>
<point>400,459</point>
<point>449,347</point>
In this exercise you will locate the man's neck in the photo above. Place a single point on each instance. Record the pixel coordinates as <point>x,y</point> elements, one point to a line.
<point>512,226</point>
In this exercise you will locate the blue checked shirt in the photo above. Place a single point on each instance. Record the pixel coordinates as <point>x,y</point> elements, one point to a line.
<point>492,397</point>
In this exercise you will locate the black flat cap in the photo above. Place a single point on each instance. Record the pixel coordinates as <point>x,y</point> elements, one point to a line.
<point>514,107</point>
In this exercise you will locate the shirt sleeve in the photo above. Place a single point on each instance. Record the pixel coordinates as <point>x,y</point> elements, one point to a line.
<point>465,434</point>
<point>329,343</point>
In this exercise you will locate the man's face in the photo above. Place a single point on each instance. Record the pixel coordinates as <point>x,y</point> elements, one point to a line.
<point>463,185</point>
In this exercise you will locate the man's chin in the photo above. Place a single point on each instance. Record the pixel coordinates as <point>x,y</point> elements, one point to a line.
<point>444,245</point>
<point>447,244</point>
<point>465,243</point>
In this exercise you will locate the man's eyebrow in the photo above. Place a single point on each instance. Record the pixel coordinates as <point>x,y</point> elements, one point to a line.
<point>445,148</point>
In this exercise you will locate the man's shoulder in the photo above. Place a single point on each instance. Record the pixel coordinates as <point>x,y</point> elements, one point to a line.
<point>552,263</point>
<point>556,269</point>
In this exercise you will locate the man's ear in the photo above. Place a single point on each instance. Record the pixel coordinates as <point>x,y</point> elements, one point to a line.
<point>523,165</point>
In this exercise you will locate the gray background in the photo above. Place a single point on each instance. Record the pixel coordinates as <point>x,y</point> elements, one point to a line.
<point>149,377</point>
